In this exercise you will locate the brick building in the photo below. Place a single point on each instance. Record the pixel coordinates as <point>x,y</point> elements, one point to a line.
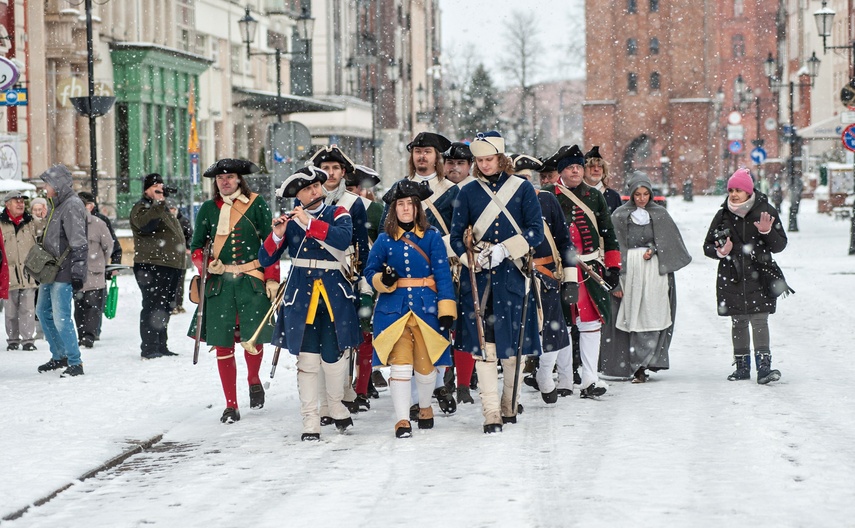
<point>661,82</point>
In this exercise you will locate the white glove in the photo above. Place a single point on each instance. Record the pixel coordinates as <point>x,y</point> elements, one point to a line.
<point>216,267</point>
<point>494,257</point>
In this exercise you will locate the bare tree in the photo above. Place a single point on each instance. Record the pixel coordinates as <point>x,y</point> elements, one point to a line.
<point>521,63</point>
<point>575,60</point>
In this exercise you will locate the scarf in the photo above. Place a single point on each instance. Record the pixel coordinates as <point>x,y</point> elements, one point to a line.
<point>742,209</point>
<point>332,197</point>
<point>640,216</point>
<point>418,179</point>
<point>226,211</point>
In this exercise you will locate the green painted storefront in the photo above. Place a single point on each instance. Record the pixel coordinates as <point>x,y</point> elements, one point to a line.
<point>152,86</point>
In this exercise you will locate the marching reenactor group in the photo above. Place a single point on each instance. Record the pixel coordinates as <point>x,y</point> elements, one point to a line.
<point>466,267</point>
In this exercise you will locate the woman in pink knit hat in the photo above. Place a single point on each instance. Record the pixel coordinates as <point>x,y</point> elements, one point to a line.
<point>744,234</point>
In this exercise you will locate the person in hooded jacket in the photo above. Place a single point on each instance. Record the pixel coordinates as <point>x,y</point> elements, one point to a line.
<point>644,305</point>
<point>743,235</point>
<point>20,231</point>
<point>65,239</point>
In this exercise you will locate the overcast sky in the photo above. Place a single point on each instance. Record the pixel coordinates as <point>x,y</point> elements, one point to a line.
<point>480,26</point>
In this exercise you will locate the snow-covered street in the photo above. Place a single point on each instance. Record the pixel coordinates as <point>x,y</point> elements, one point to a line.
<point>688,448</point>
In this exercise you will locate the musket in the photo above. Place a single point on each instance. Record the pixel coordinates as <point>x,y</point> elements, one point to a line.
<point>200,309</point>
<point>593,274</point>
<point>469,242</point>
<point>533,285</point>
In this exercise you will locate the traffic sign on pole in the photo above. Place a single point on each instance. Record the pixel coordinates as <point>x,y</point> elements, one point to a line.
<point>758,155</point>
<point>848,137</point>
<point>735,147</point>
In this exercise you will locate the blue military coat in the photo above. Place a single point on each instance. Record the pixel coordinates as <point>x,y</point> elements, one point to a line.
<point>423,302</point>
<point>332,226</point>
<point>507,282</point>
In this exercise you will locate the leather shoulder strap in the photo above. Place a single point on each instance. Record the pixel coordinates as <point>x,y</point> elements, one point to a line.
<point>238,210</point>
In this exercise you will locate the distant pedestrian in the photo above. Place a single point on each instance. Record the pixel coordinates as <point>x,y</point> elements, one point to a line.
<point>187,229</point>
<point>158,261</point>
<point>89,302</point>
<point>65,239</point>
<point>20,231</point>
<point>115,253</point>
<point>38,208</point>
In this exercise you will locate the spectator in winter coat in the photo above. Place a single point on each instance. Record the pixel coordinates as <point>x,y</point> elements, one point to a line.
<point>38,208</point>
<point>742,237</point>
<point>65,239</point>
<point>187,229</point>
<point>89,302</point>
<point>19,231</point>
<point>116,250</point>
<point>158,261</point>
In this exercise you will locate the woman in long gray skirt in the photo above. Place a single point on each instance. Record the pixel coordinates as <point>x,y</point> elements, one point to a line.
<point>652,249</point>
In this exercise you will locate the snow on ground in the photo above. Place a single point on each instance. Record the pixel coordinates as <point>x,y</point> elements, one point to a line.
<point>687,448</point>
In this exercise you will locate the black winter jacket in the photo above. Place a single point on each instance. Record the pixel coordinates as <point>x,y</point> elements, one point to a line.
<point>738,287</point>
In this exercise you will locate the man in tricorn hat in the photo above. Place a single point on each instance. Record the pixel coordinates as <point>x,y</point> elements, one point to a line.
<point>239,289</point>
<point>592,233</point>
<point>458,163</point>
<point>597,176</point>
<point>337,166</point>
<point>317,321</point>
<point>426,165</point>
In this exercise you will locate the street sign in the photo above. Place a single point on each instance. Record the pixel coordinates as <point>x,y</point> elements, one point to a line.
<point>847,118</point>
<point>848,137</point>
<point>735,147</point>
<point>735,132</point>
<point>788,130</point>
<point>15,97</point>
<point>734,118</point>
<point>758,155</point>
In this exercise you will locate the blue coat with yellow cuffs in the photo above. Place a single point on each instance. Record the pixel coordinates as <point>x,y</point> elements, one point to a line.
<point>507,282</point>
<point>315,277</point>
<point>427,303</point>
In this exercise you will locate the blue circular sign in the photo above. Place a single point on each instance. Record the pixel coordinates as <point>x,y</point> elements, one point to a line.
<point>758,155</point>
<point>849,137</point>
<point>735,147</point>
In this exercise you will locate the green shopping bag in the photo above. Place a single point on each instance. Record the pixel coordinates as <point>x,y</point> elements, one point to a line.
<point>112,300</point>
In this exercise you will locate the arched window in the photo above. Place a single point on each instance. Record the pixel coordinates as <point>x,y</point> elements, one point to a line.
<point>738,8</point>
<point>654,46</point>
<point>631,46</point>
<point>631,6</point>
<point>654,6</point>
<point>632,82</point>
<point>738,44</point>
<point>655,80</point>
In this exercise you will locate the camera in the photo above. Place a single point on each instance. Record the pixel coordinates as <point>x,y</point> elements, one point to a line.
<point>169,190</point>
<point>721,236</point>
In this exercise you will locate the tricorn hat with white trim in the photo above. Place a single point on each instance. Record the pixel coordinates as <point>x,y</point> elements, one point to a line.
<point>300,180</point>
<point>362,176</point>
<point>487,144</point>
<point>331,153</point>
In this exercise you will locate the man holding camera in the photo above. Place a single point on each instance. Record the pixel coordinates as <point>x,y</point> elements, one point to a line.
<point>158,262</point>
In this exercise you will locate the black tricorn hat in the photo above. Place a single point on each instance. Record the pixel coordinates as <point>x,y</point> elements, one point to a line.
<point>549,165</point>
<point>334,154</point>
<point>429,139</point>
<point>300,180</point>
<point>459,151</point>
<point>231,166</point>
<point>567,156</point>
<point>593,153</point>
<point>526,162</point>
<point>407,188</point>
<point>362,176</point>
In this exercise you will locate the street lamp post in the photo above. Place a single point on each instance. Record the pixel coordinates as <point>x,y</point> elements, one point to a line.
<point>248,27</point>
<point>770,67</point>
<point>824,18</point>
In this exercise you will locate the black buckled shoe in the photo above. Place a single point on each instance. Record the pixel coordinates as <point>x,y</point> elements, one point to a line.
<point>414,412</point>
<point>372,390</point>
<point>53,364</point>
<point>326,420</point>
<point>230,415</point>
<point>403,429</point>
<point>256,396</point>
<point>592,392</point>
<point>310,437</point>
<point>72,370</point>
<point>531,381</point>
<point>12,346</point>
<point>28,347</point>
<point>509,419</point>
<point>362,403</point>
<point>378,380</point>
<point>550,397</point>
<point>426,418</point>
<point>352,406</point>
<point>343,424</point>
<point>565,392</point>
<point>445,401</point>
<point>492,428</point>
